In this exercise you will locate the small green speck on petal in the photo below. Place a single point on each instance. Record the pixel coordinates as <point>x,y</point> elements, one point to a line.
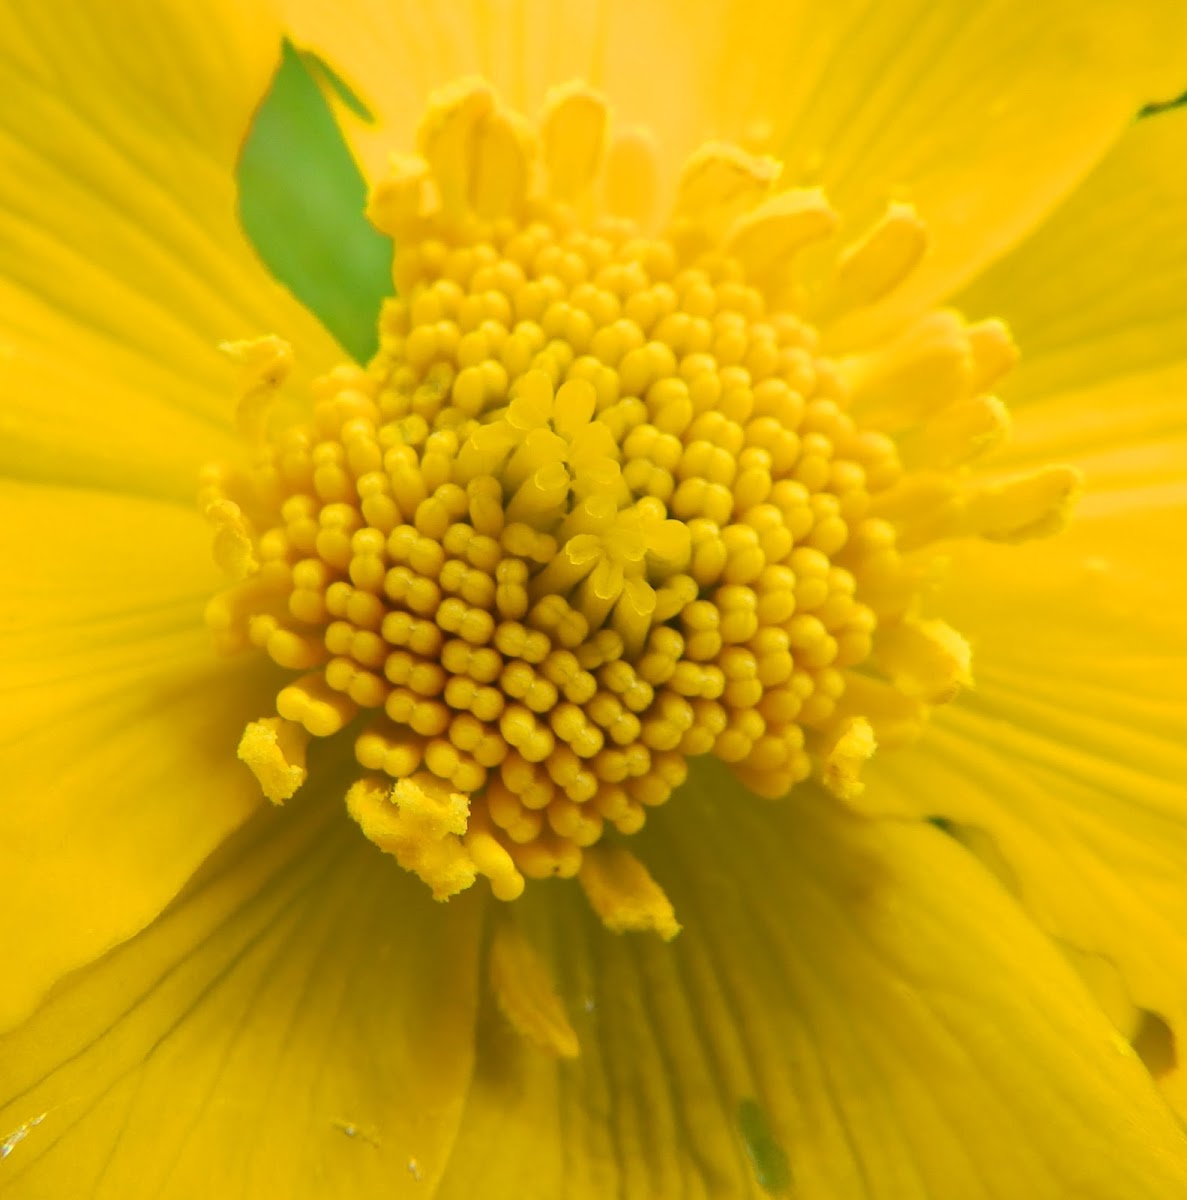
<point>771,1167</point>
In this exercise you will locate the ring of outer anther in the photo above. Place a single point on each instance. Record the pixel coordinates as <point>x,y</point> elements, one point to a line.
<point>600,506</point>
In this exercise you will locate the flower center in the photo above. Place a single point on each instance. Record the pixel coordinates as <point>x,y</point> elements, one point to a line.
<point>601,505</point>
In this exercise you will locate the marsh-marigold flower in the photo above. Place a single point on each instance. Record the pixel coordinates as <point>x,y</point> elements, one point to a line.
<point>763,683</point>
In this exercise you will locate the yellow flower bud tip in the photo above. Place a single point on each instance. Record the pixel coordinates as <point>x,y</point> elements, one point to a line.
<point>600,506</point>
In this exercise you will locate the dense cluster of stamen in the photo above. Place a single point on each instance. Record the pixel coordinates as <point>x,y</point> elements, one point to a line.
<point>599,505</point>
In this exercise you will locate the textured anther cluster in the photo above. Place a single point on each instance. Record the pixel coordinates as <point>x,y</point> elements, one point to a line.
<point>600,505</point>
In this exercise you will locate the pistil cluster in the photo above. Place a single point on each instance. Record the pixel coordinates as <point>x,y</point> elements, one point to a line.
<point>600,505</point>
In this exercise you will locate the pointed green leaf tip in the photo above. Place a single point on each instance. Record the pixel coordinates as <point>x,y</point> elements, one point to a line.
<point>771,1167</point>
<point>321,70</point>
<point>301,200</point>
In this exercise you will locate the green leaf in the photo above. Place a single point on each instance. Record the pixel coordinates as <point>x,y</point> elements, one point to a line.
<point>322,71</point>
<point>301,200</point>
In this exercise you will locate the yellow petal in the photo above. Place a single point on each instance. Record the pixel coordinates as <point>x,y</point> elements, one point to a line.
<point>1095,299</point>
<point>124,265</point>
<point>856,1003</point>
<point>1070,753</point>
<point>983,115</point>
<point>299,1024</point>
<point>1080,790</point>
<point>120,727</point>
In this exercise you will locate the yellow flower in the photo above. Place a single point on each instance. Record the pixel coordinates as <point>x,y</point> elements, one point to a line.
<point>918,964</point>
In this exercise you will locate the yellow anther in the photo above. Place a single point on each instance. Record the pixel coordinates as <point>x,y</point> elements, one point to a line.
<point>264,364</point>
<point>632,175</point>
<point>456,767</point>
<point>547,857</point>
<point>1025,506</point>
<point>521,729</point>
<point>500,172</point>
<point>234,549</point>
<point>572,819</point>
<point>447,134</point>
<point>554,617</point>
<point>721,181</point>
<point>849,751</point>
<point>928,659</point>
<point>574,132</point>
<point>524,542</point>
<point>313,704</point>
<point>274,751</point>
<point>364,688</point>
<point>883,258</point>
<point>736,741</point>
<point>421,823</point>
<point>958,433</point>
<point>526,995</point>
<point>493,861</point>
<point>384,747</point>
<point>993,350</point>
<point>765,238</point>
<point>396,205</point>
<point>297,652</point>
<point>540,696</point>
<point>623,894</point>
<point>913,376</point>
